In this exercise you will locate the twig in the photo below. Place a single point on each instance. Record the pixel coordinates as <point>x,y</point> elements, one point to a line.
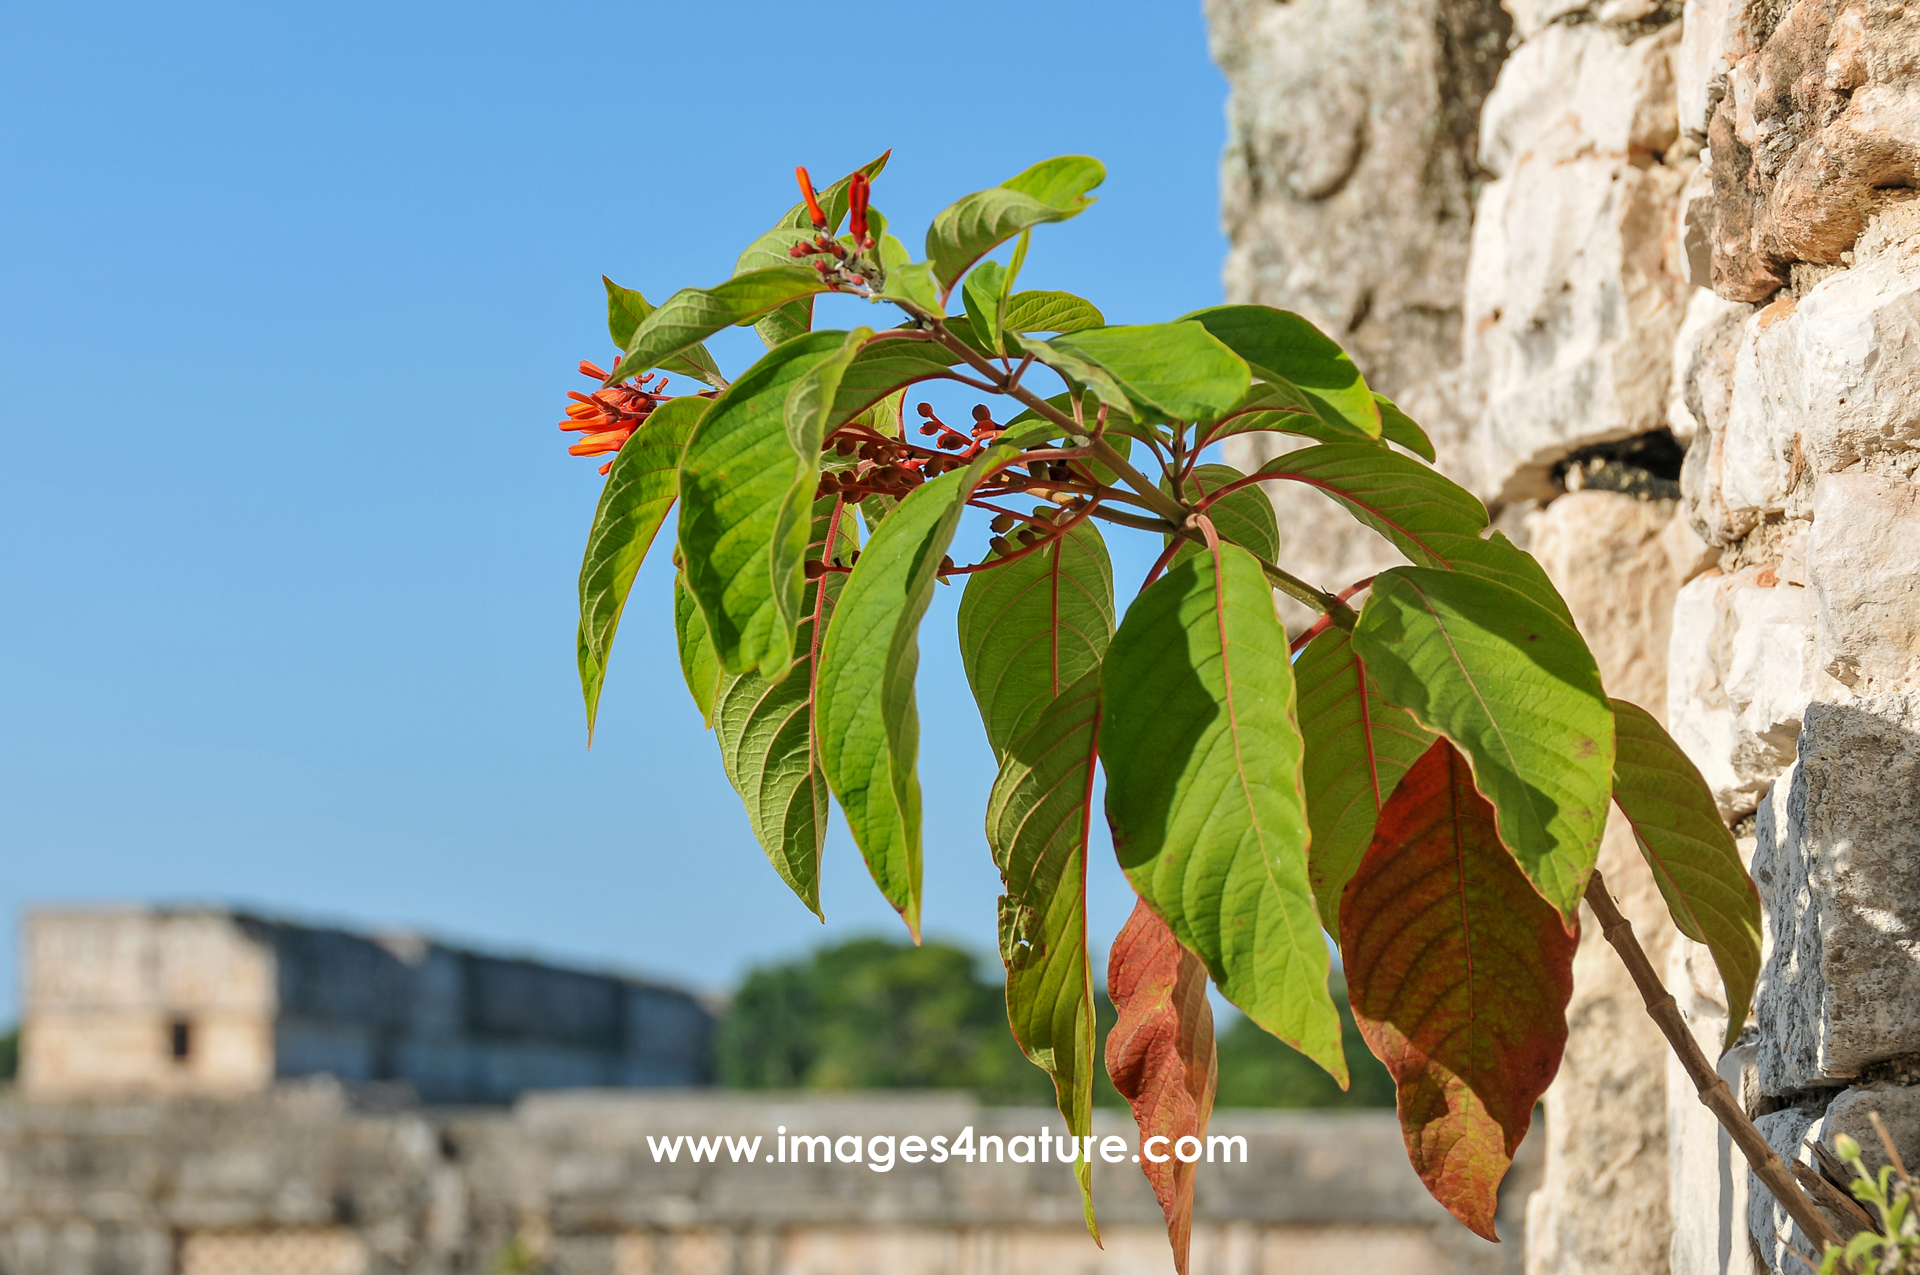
<point>1714,1094</point>
<point>1844,1208</point>
<point>1886,1140</point>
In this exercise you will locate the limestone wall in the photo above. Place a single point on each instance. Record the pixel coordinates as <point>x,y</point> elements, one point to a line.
<point>1693,227</point>
<point>300,1182</point>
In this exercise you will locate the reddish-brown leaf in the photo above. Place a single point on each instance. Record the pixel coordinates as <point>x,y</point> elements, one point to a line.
<point>1160,1056</point>
<point>1459,973</point>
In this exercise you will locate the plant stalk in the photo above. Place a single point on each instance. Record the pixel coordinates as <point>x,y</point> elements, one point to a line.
<point>1174,511</point>
<point>1714,1093</point>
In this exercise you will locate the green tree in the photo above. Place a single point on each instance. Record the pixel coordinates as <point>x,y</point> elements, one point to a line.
<point>1256,1070</point>
<point>874,1013</point>
<point>10,1054</point>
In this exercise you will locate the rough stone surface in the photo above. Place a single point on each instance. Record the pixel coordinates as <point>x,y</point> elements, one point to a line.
<point>1787,1132</point>
<point>300,1183</point>
<point>1740,678</point>
<point>1716,34</point>
<point>1609,554</point>
<point>1699,407</point>
<point>208,1001</point>
<point>1838,837</point>
<point>1817,131</point>
<point>1347,192</point>
<point>1772,1230</point>
<point>1350,168</point>
<point>1864,558</point>
<point>1824,382</point>
<point>1572,301</point>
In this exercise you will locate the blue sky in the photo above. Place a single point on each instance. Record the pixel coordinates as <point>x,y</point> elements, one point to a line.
<point>289,299</point>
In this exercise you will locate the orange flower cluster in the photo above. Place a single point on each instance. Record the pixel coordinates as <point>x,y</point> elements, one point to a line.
<point>610,415</point>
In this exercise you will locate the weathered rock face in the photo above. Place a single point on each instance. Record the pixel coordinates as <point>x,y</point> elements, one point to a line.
<point>1816,131</point>
<point>1350,169</point>
<point>1700,217</point>
<point>1794,671</point>
<point>1573,298</point>
<point>1838,836</point>
<point>1348,187</point>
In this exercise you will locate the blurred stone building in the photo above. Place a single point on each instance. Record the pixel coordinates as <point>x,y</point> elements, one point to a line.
<point>142,1001</point>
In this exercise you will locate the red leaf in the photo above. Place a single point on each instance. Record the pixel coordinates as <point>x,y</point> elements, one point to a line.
<point>1160,1056</point>
<point>1459,974</point>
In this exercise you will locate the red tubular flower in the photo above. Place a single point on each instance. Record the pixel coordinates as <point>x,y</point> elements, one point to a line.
<point>859,190</point>
<point>608,417</point>
<point>813,204</point>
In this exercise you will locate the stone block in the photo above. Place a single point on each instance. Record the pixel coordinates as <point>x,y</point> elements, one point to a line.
<point>1865,570</point>
<point>1818,130</point>
<point>1607,554</point>
<point>1839,849</point>
<point>1739,677</point>
<point>1580,90</point>
<point>1787,1132</point>
<point>1571,304</point>
<point>1604,1204</point>
<point>1824,382</point>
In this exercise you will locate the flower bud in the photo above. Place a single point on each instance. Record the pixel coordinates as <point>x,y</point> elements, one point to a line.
<point>813,204</point>
<point>858,192</point>
<point>1003,522</point>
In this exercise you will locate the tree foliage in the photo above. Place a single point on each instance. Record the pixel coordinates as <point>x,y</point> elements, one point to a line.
<point>1448,740</point>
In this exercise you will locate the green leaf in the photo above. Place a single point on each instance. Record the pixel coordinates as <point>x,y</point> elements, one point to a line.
<point>912,287</point>
<point>1691,852</point>
<point>869,725</point>
<point>627,309</point>
<point>1459,976</point>
<point>1050,312</point>
<point>1204,797</point>
<point>766,729</point>
<point>1287,350</point>
<point>1495,558</point>
<point>641,488</point>
<point>693,314</point>
<point>1038,818</point>
<point>886,365</point>
<point>808,407</point>
<point>767,252</point>
<point>745,485</point>
<point>698,664</point>
<point>1401,499</point>
<point>1052,190</point>
<point>1244,517</point>
<point>1281,409</point>
<point>1031,628</point>
<point>1175,369</point>
<point>834,199</point>
<point>1516,690</point>
<point>1358,746</point>
<point>1397,427</point>
<point>983,292</point>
